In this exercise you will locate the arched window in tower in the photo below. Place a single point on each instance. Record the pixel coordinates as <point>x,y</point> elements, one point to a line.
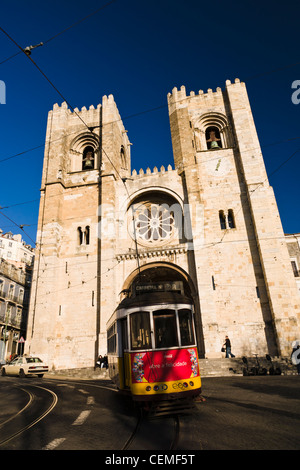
<point>222,220</point>
<point>88,158</point>
<point>213,138</point>
<point>83,236</point>
<point>87,235</point>
<point>230,218</point>
<point>123,158</point>
<point>79,236</point>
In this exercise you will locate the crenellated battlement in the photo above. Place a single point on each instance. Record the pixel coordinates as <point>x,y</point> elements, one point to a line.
<point>64,106</point>
<point>179,96</point>
<point>155,171</point>
<point>108,102</point>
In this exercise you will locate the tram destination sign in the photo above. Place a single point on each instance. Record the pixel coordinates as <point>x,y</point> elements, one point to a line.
<point>160,287</point>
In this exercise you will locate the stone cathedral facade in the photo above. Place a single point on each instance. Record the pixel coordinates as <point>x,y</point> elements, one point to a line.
<point>207,226</point>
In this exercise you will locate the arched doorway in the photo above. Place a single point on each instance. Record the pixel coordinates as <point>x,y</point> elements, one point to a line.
<point>165,278</point>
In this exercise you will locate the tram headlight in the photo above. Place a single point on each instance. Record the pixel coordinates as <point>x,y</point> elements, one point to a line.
<point>191,383</point>
<point>148,388</point>
<point>156,388</point>
<point>185,384</point>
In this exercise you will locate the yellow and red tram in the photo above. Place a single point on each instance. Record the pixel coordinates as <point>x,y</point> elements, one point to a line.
<point>152,350</point>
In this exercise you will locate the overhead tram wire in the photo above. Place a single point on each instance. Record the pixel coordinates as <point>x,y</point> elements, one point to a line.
<point>45,76</point>
<point>21,227</point>
<point>74,132</point>
<point>150,109</point>
<point>129,117</point>
<point>91,129</point>
<point>124,182</point>
<point>65,30</point>
<point>184,166</point>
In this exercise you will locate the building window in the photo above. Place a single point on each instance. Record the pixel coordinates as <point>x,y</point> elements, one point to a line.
<point>11,291</point>
<point>213,138</point>
<point>230,218</point>
<point>227,221</point>
<point>222,220</point>
<point>87,235</point>
<point>21,296</point>
<point>83,236</point>
<point>212,132</point>
<point>8,313</point>
<point>88,158</point>
<point>123,158</point>
<point>79,236</point>
<point>154,222</point>
<point>295,269</point>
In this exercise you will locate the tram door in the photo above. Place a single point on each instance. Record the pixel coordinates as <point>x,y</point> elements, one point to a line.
<point>126,356</point>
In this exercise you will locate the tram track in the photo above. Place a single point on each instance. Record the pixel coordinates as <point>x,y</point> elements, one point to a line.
<point>175,441</point>
<point>134,433</point>
<point>148,432</point>
<point>143,422</point>
<point>21,410</point>
<point>14,433</point>
<point>160,433</point>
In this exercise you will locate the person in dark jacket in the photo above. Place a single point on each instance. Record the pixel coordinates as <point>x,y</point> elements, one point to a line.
<point>99,361</point>
<point>227,346</point>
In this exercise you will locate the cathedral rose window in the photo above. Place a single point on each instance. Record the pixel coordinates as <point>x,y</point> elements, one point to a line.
<point>154,222</point>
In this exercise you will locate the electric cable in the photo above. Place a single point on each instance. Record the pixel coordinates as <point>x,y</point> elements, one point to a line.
<point>20,226</point>
<point>91,129</point>
<point>64,30</point>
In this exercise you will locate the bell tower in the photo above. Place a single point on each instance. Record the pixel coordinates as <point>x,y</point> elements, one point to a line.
<point>86,150</point>
<point>240,259</point>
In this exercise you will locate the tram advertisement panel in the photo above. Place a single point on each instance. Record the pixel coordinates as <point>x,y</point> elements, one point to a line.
<point>161,366</point>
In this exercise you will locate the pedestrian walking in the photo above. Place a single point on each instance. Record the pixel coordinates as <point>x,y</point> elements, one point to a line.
<point>227,346</point>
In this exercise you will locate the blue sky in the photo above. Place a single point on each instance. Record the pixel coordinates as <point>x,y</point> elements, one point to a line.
<point>138,51</point>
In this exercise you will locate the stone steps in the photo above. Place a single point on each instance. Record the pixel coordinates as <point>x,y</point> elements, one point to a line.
<point>220,367</point>
<point>82,373</point>
<point>226,367</point>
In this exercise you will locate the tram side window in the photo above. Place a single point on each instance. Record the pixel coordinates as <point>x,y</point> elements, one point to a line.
<point>186,327</point>
<point>165,328</point>
<point>112,339</point>
<point>140,330</point>
<point>124,330</point>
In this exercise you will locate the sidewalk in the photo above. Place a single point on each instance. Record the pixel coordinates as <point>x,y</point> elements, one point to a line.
<point>79,374</point>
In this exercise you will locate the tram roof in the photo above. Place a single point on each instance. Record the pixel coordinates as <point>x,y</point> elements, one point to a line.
<point>154,298</point>
<point>148,300</point>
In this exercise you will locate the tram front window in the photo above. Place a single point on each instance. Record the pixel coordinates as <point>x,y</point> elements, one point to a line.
<point>186,327</point>
<point>165,329</point>
<point>140,330</point>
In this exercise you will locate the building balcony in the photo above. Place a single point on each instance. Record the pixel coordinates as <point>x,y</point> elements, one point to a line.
<point>12,298</point>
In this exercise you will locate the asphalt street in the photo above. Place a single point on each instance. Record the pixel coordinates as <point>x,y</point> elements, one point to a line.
<point>238,413</point>
<point>246,413</point>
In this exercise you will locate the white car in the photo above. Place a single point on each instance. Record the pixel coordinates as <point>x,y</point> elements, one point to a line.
<point>25,366</point>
